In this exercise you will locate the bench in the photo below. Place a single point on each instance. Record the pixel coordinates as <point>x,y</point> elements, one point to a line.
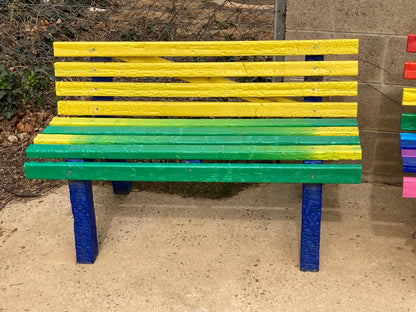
<point>142,109</point>
<point>408,123</point>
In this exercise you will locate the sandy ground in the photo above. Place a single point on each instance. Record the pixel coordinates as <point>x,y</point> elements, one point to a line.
<point>162,252</point>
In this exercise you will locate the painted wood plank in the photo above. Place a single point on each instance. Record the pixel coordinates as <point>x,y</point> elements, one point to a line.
<point>206,69</point>
<point>184,122</point>
<point>410,70</point>
<point>206,48</point>
<point>207,109</point>
<point>253,173</point>
<point>411,43</point>
<point>409,164</point>
<point>207,79</point>
<point>409,187</point>
<point>409,96</point>
<point>267,89</point>
<point>410,153</point>
<point>408,122</point>
<point>198,140</point>
<point>251,131</point>
<point>212,152</point>
<point>408,140</point>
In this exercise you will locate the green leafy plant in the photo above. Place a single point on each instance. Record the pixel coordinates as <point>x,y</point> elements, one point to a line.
<point>19,87</point>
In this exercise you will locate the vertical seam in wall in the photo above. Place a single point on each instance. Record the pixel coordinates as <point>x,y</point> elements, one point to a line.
<point>336,17</point>
<point>383,69</point>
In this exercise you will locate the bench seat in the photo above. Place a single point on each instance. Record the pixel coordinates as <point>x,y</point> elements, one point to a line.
<point>202,112</point>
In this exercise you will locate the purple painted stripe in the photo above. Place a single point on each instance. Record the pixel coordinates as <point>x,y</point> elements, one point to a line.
<point>408,153</point>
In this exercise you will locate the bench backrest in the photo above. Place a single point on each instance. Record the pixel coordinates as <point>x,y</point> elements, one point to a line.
<point>206,79</point>
<point>408,123</point>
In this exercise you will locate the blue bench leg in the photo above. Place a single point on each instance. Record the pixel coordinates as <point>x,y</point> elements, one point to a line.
<point>311,227</point>
<point>85,229</point>
<point>120,187</point>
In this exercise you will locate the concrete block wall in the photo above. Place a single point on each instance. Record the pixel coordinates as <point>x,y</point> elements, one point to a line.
<point>382,27</point>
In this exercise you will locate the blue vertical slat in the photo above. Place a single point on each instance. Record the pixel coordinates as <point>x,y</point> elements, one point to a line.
<point>119,187</point>
<point>85,230</point>
<point>309,58</point>
<point>311,204</point>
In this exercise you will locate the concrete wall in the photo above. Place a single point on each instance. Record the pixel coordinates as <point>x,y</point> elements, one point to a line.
<point>382,27</point>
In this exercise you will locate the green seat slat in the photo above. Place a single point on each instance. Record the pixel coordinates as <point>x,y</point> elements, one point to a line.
<point>212,152</point>
<point>254,173</point>
<point>206,140</point>
<point>309,131</point>
<point>408,121</point>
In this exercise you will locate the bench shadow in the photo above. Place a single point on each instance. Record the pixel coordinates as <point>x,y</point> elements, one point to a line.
<point>268,202</point>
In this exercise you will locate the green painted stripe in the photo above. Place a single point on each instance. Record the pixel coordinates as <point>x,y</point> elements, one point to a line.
<point>212,152</point>
<point>244,131</point>
<point>186,122</point>
<point>408,121</point>
<point>202,140</point>
<point>253,173</point>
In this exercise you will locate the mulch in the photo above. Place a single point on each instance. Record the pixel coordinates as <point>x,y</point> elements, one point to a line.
<point>15,136</point>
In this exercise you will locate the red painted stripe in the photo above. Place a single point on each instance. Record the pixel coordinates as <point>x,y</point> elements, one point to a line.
<point>411,43</point>
<point>410,70</point>
<point>409,187</point>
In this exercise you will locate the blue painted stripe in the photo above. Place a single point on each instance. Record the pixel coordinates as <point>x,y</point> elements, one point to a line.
<point>409,164</point>
<point>408,140</point>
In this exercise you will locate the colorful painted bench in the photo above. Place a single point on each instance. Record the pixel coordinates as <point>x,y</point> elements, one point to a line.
<point>408,123</point>
<point>210,101</point>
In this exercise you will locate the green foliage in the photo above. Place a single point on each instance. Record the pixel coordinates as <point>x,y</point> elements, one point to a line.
<point>21,87</point>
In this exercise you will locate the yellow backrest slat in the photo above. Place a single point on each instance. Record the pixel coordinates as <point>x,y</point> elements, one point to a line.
<point>206,48</point>
<point>208,109</point>
<point>206,69</point>
<point>285,89</point>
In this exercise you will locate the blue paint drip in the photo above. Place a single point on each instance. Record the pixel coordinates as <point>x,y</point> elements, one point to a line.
<point>86,244</point>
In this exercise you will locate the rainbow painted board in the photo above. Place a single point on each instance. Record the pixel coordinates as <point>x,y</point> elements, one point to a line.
<point>147,107</point>
<point>408,123</point>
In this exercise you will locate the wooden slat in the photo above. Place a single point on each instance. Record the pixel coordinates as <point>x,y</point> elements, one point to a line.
<point>408,122</point>
<point>125,89</point>
<point>410,153</point>
<point>211,152</point>
<point>207,109</point>
<point>409,96</point>
<point>408,140</point>
<point>184,122</point>
<point>409,164</point>
<point>255,173</point>
<point>198,140</point>
<point>410,70</point>
<point>206,69</point>
<point>249,131</point>
<point>206,48</point>
<point>411,43</point>
<point>409,187</point>
<point>154,59</point>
